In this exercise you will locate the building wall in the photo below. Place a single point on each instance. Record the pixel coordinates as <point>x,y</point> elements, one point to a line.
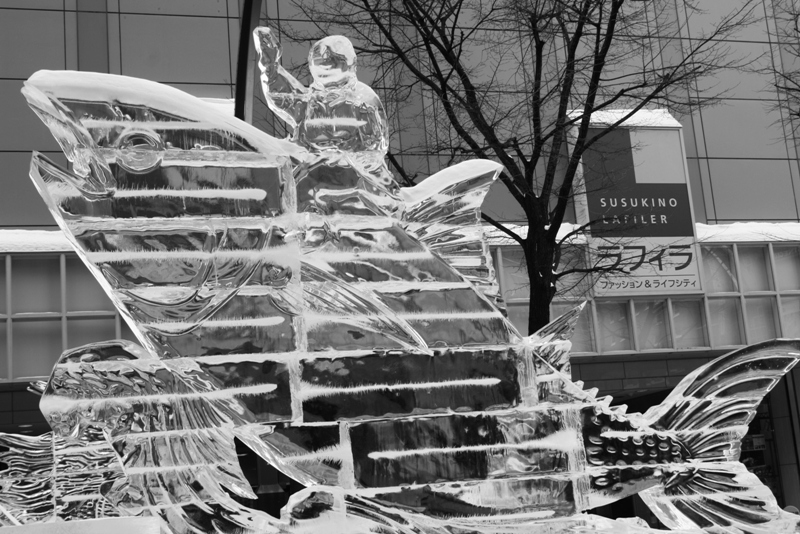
<point>742,154</point>
<point>742,158</point>
<point>188,44</point>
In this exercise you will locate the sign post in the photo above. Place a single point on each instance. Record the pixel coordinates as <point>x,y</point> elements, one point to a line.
<point>638,207</point>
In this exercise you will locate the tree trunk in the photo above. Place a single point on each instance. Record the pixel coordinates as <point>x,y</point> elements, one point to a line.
<point>539,257</point>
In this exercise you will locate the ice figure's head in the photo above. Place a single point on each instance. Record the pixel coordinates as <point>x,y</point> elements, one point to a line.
<point>332,62</point>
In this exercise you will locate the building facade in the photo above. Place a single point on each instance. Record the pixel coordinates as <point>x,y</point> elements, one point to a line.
<point>741,157</point>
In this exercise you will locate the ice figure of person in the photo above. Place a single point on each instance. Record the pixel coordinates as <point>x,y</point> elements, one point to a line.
<point>340,120</point>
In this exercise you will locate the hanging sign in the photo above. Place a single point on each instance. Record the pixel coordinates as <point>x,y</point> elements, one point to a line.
<point>638,207</point>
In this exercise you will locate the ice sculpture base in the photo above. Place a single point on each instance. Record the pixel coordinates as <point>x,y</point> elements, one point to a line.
<point>117,525</point>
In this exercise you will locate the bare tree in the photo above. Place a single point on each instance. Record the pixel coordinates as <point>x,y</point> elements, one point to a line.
<point>517,81</point>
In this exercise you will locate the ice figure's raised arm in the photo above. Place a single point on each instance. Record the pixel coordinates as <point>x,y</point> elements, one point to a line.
<point>285,95</point>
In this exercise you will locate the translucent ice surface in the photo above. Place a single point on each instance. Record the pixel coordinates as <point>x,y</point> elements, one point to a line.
<point>290,295</point>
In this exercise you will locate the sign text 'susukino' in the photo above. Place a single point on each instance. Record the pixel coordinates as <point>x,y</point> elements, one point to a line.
<point>639,210</point>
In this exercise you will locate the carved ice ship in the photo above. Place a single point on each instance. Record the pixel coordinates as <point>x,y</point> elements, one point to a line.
<point>289,295</point>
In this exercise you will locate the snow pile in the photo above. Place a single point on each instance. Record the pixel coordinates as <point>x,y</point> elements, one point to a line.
<point>758,232</point>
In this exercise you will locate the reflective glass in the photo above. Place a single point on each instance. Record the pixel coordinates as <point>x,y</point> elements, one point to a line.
<point>36,284</point>
<point>613,329</point>
<point>19,203</point>
<point>26,51</point>
<point>515,274</point>
<point>84,292</point>
<point>207,8</point>
<point>126,332</point>
<point>651,324</point>
<point>755,141</point>
<point>3,350</point>
<point>725,321</point>
<point>2,284</point>
<point>754,268</point>
<point>719,270</point>
<point>582,337</point>
<point>26,133</point>
<point>787,267</point>
<point>790,320</point>
<point>518,315</point>
<point>575,285</point>
<point>37,346</point>
<point>83,330</point>
<point>151,50</point>
<point>689,324</point>
<point>737,196</point>
<point>761,313</point>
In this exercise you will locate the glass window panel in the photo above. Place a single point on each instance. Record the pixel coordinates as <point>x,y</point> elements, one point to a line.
<point>83,330</point>
<point>651,324</point>
<point>26,51</point>
<point>756,140</point>
<point>2,285</point>
<point>689,324</point>
<point>3,350</point>
<point>725,321</point>
<point>790,322</point>
<point>515,274</point>
<point>36,284</point>
<point>754,269</point>
<point>582,338</point>
<point>126,333</point>
<point>761,312</point>
<point>719,270</point>
<point>518,315</point>
<point>37,346</point>
<point>201,54</point>
<point>83,290</point>
<point>787,267</point>
<point>20,204</point>
<point>613,329</point>
<point>27,132</point>
<point>738,196</point>
<point>208,8</point>
<point>574,285</point>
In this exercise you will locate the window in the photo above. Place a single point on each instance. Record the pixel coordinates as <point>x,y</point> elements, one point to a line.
<point>719,271</point>
<point>512,275</point>
<point>582,338</point>
<point>690,326</point>
<point>752,294</point>
<point>745,306</point>
<point>755,269</point>
<point>652,327</point>
<point>613,326</point>
<point>49,303</point>
<point>725,321</point>
<point>787,267</point>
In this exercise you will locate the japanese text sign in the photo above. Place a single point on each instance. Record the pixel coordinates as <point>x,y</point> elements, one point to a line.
<point>638,207</point>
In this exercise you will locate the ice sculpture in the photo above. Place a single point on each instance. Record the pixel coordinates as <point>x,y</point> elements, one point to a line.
<point>289,295</point>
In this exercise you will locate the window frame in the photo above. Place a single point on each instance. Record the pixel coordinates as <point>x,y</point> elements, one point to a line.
<point>746,329</point>
<point>62,315</point>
